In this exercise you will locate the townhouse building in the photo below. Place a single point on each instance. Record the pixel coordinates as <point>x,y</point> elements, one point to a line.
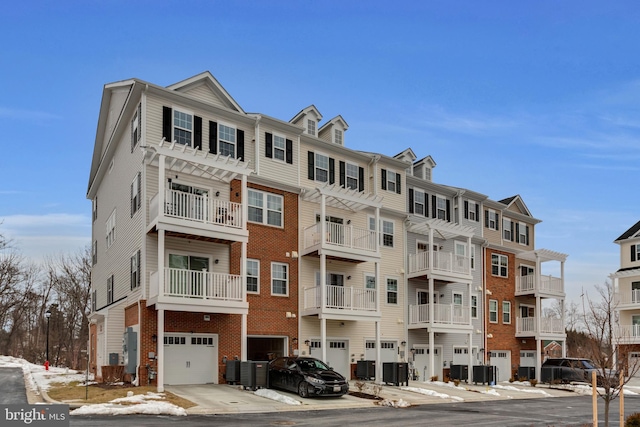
<point>220,234</point>
<point>626,287</point>
<point>521,283</point>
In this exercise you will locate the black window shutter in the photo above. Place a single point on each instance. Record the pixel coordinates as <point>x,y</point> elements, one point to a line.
<point>360,179</point>
<point>197,132</point>
<point>213,137</point>
<point>139,191</point>
<point>268,145</point>
<point>411,200</point>
<point>426,205</point>
<point>466,209</point>
<point>289,152</point>
<point>633,253</point>
<point>497,221</point>
<point>131,200</point>
<point>477,212</point>
<point>343,174</point>
<point>139,268</point>
<point>310,159</point>
<point>517,233</point>
<point>130,274</point>
<point>240,144</point>
<point>133,137</point>
<point>486,218</point>
<point>167,123</point>
<point>434,206</point>
<point>527,234</point>
<point>384,179</point>
<point>332,170</point>
<point>398,183</point>
<point>448,210</point>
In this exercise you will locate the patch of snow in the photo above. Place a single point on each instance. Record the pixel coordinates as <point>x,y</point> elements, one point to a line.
<point>394,403</point>
<point>526,390</point>
<point>431,393</point>
<point>274,395</point>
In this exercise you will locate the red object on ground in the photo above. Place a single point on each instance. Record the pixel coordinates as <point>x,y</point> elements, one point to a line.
<point>46,365</point>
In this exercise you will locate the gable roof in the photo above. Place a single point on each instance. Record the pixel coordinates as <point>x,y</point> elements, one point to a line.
<point>306,111</point>
<point>517,200</point>
<point>336,119</point>
<point>630,233</point>
<point>207,79</point>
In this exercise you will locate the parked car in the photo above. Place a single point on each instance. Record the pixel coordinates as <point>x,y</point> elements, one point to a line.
<point>568,369</point>
<point>306,376</point>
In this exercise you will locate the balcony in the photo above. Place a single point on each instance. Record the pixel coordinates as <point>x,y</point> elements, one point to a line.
<point>199,214</point>
<point>628,299</point>
<point>628,334</point>
<point>188,290</point>
<point>342,302</point>
<point>445,264</point>
<point>548,286</point>
<point>550,326</point>
<point>444,315</point>
<point>341,241</point>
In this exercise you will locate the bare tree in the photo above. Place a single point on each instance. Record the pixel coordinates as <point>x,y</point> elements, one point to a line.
<point>604,345</point>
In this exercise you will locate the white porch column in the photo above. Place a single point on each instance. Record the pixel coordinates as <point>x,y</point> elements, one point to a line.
<point>160,344</point>
<point>378,287</point>
<point>431,317</point>
<point>323,338</point>
<point>378,355</point>
<point>538,357</point>
<point>245,202</point>
<point>432,363</point>
<point>564,319</point>
<point>162,185</point>
<point>470,361</point>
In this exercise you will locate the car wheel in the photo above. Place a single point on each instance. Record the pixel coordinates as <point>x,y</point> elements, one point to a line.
<point>303,389</point>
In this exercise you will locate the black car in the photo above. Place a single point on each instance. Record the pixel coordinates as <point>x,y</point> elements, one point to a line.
<point>306,376</point>
<point>568,369</point>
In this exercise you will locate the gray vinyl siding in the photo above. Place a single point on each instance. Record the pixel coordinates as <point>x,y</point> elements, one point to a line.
<point>115,329</point>
<point>114,192</point>
<point>203,93</point>
<point>117,104</point>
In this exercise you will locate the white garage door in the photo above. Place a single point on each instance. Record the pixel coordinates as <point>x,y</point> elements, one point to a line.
<point>501,359</point>
<point>527,358</point>
<point>190,358</point>
<point>337,355</point>
<point>388,351</point>
<point>421,363</point>
<point>634,360</point>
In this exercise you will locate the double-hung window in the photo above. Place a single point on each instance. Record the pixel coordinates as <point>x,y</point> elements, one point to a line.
<point>474,306</point>
<point>635,253</point>
<point>227,140</point>
<point>110,289</point>
<point>259,202</point>
<point>94,253</point>
<point>499,265</point>
<point>136,196</point>
<point>392,291</point>
<point>522,233</point>
<point>279,278</point>
<point>492,220</point>
<point>279,147</point>
<point>441,208</point>
<point>94,208</point>
<point>418,202</point>
<point>111,229</point>
<point>135,270</point>
<point>391,181</point>
<point>352,172</point>
<point>337,136</point>
<point>182,128</point>
<point>493,311</point>
<point>506,312</point>
<point>321,168</point>
<point>387,233</point>
<point>311,127</point>
<point>253,276</point>
<point>507,232</point>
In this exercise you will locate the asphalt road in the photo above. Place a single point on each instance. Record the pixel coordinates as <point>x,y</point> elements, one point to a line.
<point>540,412</point>
<point>12,389</point>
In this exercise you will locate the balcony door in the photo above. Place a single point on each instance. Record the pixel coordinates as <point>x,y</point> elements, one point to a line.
<point>635,292</point>
<point>187,201</point>
<point>335,229</point>
<point>635,328</point>
<point>335,289</point>
<point>187,275</point>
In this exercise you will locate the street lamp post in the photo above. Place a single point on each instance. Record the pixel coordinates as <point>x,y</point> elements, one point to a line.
<point>47,314</point>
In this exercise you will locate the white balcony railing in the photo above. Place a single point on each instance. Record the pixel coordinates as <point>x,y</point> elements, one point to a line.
<point>442,261</point>
<point>628,297</point>
<point>341,297</point>
<point>183,283</point>
<point>199,208</point>
<point>548,284</point>
<point>340,235</point>
<point>548,325</point>
<point>452,314</point>
<point>628,333</point>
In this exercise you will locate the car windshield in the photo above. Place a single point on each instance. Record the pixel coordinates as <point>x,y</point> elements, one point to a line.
<point>588,364</point>
<point>310,365</point>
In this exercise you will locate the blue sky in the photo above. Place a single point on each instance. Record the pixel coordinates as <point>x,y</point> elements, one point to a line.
<point>537,98</point>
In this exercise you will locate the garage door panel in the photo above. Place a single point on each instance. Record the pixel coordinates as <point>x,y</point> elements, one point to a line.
<point>501,359</point>
<point>337,355</point>
<point>191,359</point>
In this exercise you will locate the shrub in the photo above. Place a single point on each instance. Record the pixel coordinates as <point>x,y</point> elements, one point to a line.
<point>511,379</point>
<point>434,378</point>
<point>456,382</point>
<point>633,420</point>
<point>533,382</point>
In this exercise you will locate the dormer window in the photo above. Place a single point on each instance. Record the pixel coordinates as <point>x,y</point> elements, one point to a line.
<point>311,127</point>
<point>337,136</point>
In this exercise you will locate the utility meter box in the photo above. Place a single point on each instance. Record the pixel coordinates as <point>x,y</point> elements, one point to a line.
<point>130,350</point>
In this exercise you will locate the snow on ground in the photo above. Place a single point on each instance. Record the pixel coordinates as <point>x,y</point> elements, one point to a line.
<point>274,395</point>
<point>431,393</point>
<point>394,403</point>
<point>526,390</point>
<point>37,378</point>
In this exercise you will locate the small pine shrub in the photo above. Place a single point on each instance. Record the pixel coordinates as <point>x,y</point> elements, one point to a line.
<point>632,420</point>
